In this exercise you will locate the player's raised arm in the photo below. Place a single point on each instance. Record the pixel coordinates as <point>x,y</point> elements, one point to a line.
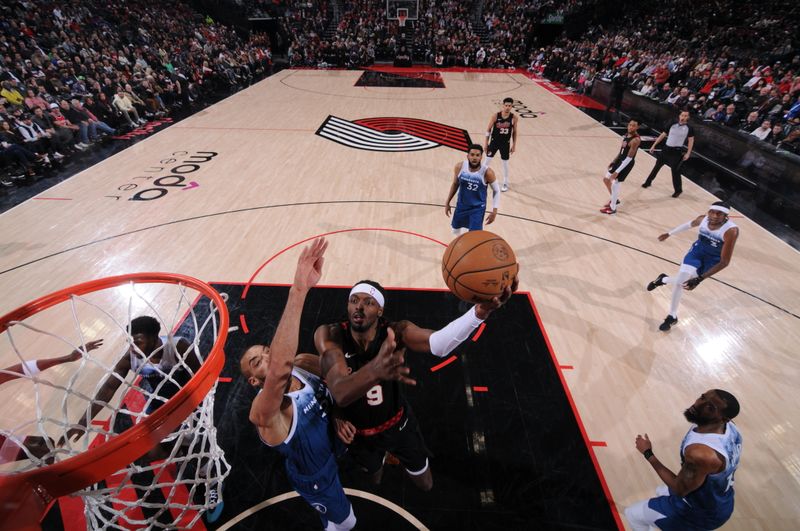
<point>266,406</point>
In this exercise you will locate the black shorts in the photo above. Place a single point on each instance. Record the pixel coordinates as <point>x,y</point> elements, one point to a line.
<point>624,173</point>
<point>498,145</point>
<point>403,440</point>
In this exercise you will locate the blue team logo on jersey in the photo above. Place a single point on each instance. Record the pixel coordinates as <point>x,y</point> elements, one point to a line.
<point>393,134</point>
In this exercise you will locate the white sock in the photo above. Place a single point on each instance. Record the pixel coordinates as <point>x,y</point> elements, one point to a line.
<point>615,185</point>
<point>677,291</point>
<point>505,172</point>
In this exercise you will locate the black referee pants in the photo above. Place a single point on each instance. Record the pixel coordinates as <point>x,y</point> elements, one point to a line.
<point>673,157</point>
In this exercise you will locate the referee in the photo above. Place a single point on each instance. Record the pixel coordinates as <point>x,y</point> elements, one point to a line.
<point>672,154</point>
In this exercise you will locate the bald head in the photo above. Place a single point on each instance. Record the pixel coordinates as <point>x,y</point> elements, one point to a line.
<point>253,364</point>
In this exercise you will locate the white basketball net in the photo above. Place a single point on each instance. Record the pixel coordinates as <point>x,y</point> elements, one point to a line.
<point>184,480</point>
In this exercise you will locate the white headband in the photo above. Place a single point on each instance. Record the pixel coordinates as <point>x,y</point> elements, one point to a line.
<point>719,208</point>
<point>372,291</point>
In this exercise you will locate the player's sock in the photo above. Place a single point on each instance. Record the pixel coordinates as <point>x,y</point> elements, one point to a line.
<point>677,291</point>
<point>505,173</point>
<point>614,194</point>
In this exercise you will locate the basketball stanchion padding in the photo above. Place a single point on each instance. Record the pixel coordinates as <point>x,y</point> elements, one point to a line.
<point>185,418</point>
<point>479,265</point>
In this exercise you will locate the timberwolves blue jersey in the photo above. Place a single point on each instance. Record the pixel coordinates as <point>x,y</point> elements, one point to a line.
<point>711,505</point>
<point>716,493</point>
<point>471,189</point>
<point>308,446</point>
<point>710,241</point>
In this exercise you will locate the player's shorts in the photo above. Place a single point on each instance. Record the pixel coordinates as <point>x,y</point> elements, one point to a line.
<point>679,516</point>
<point>403,440</point>
<point>323,491</point>
<point>499,145</point>
<point>700,259</point>
<point>625,171</point>
<point>469,219</point>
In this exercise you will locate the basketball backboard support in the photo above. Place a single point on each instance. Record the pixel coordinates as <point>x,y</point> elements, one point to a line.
<point>411,8</point>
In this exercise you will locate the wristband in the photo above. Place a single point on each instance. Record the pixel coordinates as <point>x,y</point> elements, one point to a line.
<point>648,453</point>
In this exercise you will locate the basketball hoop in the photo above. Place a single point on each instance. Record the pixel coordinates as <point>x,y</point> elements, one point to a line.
<point>36,480</point>
<point>402,16</point>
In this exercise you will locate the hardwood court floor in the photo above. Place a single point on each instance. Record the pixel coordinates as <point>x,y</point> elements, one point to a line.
<point>258,179</point>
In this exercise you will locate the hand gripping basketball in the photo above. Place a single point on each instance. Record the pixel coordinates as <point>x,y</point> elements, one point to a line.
<point>388,364</point>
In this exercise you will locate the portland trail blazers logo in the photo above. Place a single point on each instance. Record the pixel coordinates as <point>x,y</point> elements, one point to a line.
<point>393,134</point>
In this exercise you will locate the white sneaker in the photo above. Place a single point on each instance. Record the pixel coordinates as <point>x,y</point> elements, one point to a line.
<point>504,188</point>
<point>81,146</point>
<point>142,122</point>
<point>57,155</point>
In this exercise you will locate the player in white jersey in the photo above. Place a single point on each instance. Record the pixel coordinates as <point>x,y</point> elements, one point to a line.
<point>701,495</point>
<point>710,254</point>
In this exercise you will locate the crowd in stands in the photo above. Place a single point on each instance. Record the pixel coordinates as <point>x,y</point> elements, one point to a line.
<point>739,67</point>
<point>72,73</point>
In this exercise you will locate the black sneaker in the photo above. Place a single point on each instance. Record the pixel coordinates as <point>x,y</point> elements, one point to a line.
<point>659,281</point>
<point>677,194</point>
<point>646,184</point>
<point>667,324</point>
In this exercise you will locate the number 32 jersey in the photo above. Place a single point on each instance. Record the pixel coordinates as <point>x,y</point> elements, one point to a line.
<point>471,188</point>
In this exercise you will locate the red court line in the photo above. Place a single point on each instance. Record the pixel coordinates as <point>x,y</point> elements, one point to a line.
<point>480,389</point>
<point>224,379</point>
<point>443,364</point>
<point>53,198</point>
<point>598,443</point>
<point>359,229</point>
<point>589,446</point>
<point>243,322</point>
<point>565,367</point>
<point>480,331</point>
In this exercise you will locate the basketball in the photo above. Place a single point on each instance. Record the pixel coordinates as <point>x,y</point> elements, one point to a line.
<point>479,265</point>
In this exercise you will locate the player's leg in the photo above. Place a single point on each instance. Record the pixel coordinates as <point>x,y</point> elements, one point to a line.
<point>616,185</point>
<point>642,516</point>
<point>686,272</point>
<point>404,441</point>
<point>459,223</point>
<point>505,154</point>
<point>368,456</point>
<point>323,491</point>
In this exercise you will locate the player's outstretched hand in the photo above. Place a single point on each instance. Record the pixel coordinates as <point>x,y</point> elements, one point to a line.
<point>388,364</point>
<point>483,309</point>
<point>643,443</point>
<point>90,346</point>
<point>309,265</point>
<point>345,430</point>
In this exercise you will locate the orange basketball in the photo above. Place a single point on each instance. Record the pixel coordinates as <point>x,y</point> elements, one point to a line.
<point>479,265</point>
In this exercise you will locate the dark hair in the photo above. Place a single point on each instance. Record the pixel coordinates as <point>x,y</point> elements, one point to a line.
<point>731,404</point>
<point>475,146</point>
<point>508,100</point>
<point>721,204</point>
<point>374,285</point>
<point>146,325</point>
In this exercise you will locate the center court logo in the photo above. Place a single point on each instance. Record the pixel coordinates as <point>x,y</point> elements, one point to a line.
<point>393,134</point>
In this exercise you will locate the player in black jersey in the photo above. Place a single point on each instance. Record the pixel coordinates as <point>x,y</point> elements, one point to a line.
<point>362,363</point>
<point>621,166</point>
<point>501,135</point>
